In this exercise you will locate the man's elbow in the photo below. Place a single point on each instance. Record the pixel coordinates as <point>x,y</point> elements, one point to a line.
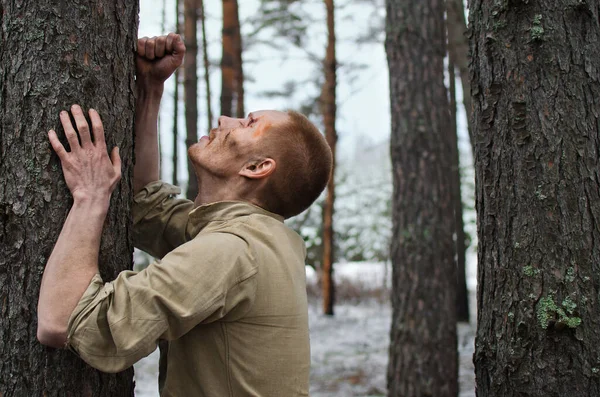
<point>52,336</point>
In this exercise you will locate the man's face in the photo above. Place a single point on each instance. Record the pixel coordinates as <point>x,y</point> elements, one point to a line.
<point>227,148</point>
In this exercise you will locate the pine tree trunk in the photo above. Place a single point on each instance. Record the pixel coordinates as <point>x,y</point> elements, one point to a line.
<point>175,176</point>
<point>328,102</point>
<point>458,50</point>
<point>54,55</point>
<point>239,70</point>
<point>423,352</point>
<point>209,113</point>
<point>228,60</point>
<point>175,143</point>
<point>190,88</point>
<point>535,74</point>
<point>462,294</point>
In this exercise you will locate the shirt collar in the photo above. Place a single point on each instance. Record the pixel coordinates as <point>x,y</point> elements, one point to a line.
<point>222,211</point>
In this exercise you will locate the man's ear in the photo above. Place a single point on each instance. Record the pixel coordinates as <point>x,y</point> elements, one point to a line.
<point>258,169</point>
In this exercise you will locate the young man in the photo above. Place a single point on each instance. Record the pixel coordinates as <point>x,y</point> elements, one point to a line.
<point>229,293</point>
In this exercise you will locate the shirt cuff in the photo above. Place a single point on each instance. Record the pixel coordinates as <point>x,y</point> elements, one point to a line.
<point>150,196</point>
<point>95,292</point>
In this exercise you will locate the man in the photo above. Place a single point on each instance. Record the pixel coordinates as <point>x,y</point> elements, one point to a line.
<point>229,293</point>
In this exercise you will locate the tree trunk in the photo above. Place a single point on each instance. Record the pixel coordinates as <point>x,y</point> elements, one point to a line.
<point>176,107</point>
<point>176,129</point>
<point>458,51</point>
<point>239,70</point>
<point>54,55</point>
<point>423,351</point>
<point>462,294</point>
<point>535,75</point>
<point>232,77</point>
<point>190,88</point>
<point>206,67</point>
<point>328,102</point>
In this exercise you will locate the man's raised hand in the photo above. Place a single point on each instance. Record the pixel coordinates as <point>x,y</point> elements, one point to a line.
<point>89,172</point>
<point>158,57</point>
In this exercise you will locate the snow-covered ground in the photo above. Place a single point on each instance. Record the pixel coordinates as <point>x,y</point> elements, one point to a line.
<point>349,351</point>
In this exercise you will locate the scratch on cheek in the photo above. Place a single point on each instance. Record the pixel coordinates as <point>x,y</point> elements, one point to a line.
<point>261,129</point>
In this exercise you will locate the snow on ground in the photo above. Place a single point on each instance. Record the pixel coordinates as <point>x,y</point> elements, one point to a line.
<point>349,351</point>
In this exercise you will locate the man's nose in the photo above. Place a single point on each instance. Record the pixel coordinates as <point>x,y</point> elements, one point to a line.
<point>225,121</point>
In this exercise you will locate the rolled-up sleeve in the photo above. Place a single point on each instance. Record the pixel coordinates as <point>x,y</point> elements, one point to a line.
<point>160,220</point>
<point>115,324</point>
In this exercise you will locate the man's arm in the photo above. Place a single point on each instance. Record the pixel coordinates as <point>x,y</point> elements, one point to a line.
<point>91,176</point>
<point>157,58</point>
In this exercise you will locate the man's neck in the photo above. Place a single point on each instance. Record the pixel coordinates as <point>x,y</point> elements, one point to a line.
<point>212,190</point>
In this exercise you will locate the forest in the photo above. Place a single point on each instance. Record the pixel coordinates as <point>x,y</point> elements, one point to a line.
<point>455,251</point>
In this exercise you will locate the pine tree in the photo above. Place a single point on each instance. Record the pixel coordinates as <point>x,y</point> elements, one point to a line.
<point>423,352</point>
<point>53,55</point>
<point>535,83</point>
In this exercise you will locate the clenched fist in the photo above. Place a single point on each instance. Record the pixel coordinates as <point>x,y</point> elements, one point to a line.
<point>158,57</point>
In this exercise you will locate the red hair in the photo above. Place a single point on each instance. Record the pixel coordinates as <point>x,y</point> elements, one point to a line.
<point>304,163</point>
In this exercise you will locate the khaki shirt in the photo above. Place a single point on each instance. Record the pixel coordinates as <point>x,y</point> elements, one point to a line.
<point>229,294</point>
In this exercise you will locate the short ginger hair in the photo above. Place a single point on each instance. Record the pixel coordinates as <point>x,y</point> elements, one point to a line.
<point>304,165</point>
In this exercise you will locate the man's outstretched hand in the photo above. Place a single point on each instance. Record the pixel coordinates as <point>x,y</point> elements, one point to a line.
<point>158,57</point>
<point>89,172</point>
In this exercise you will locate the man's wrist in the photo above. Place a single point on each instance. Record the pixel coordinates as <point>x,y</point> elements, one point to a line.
<point>92,205</point>
<point>148,89</point>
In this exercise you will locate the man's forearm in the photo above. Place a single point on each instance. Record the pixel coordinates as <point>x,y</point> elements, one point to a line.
<point>146,167</point>
<point>70,268</point>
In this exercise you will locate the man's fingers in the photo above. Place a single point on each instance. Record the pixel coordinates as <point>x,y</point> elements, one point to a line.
<point>56,145</point>
<point>141,46</point>
<point>169,43</point>
<point>160,47</point>
<point>116,161</point>
<point>69,130</point>
<point>97,129</point>
<point>150,46</point>
<point>178,46</point>
<point>82,125</point>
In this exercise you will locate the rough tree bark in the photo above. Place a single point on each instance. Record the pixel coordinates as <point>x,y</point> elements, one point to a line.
<point>536,91</point>
<point>53,55</point>
<point>232,76</point>
<point>462,294</point>
<point>209,114</point>
<point>190,87</point>
<point>423,351</point>
<point>329,109</point>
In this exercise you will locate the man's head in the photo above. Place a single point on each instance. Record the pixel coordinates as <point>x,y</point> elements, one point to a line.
<point>277,160</point>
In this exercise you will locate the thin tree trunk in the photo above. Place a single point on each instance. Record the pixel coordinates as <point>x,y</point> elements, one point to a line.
<point>227,59</point>
<point>176,108</point>
<point>536,87</point>
<point>328,102</point>
<point>190,88</point>
<point>231,73</point>
<point>423,352</point>
<point>458,49</point>
<point>54,55</point>
<point>462,294</point>
<point>176,129</point>
<point>206,67</point>
<point>239,70</point>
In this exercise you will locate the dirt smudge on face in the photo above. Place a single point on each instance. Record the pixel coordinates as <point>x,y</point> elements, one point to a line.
<point>261,129</point>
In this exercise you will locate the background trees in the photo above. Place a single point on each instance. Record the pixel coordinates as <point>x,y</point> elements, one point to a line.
<point>535,85</point>
<point>328,108</point>
<point>54,55</point>
<point>423,358</point>
<point>190,86</point>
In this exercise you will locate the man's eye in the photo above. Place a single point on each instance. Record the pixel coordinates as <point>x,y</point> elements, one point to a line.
<point>252,121</point>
